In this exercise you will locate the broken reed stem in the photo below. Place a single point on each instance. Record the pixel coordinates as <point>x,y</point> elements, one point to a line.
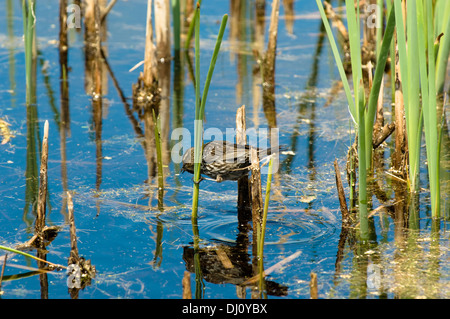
<point>107,10</point>
<point>379,119</point>
<point>3,269</point>
<point>337,22</point>
<point>273,268</point>
<point>257,209</point>
<point>268,67</point>
<point>273,30</point>
<point>190,32</point>
<point>255,186</point>
<point>74,257</point>
<point>313,286</point>
<point>186,284</point>
<point>162,29</point>
<point>150,50</point>
<point>42,198</point>
<point>243,189</point>
<point>400,145</point>
<point>262,232</point>
<point>383,134</point>
<point>341,194</point>
<point>31,256</point>
<point>93,78</point>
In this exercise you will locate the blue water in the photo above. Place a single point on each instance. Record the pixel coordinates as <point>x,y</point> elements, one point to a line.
<point>121,230</point>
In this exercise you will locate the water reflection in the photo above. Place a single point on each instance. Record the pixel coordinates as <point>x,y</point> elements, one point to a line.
<point>230,264</point>
<point>64,123</point>
<point>405,257</point>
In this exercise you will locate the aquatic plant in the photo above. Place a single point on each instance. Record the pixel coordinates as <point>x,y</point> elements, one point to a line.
<point>426,41</point>
<point>159,159</point>
<point>421,58</point>
<point>362,111</point>
<point>409,60</point>
<point>15,251</point>
<point>201,102</point>
<point>262,230</point>
<point>29,31</point>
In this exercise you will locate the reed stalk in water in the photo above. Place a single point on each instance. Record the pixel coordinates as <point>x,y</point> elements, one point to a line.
<point>200,103</point>
<point>362,111</point>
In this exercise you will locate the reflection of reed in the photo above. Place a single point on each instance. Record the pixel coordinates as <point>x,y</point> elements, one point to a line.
<point>152,91</point>
<point>95,77</point>
<point>163,55</point>
<point>289,15</point>
<point>243,202</point>
<point>268,71</point>
<point>97,120</point>
<point>178,97</point>
<point>64,124</point>
<point>95,32</point>
<point>11,59</point>
<point>305,105</point>
<point>31,173</point>
<point>238,37</point>
<point>229,264</point>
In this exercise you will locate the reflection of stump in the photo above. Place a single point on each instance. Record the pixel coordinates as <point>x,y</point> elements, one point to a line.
<point>95,33</point>
<point>78,266</point>
<point>145,100</point>
<point>269,67</point>
<point>225,264</point>
<point>243,203</point>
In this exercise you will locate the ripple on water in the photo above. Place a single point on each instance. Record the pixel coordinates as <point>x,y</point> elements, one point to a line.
<point>281,228</point>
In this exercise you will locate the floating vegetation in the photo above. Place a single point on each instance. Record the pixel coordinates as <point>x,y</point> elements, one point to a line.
<point>5,131</point>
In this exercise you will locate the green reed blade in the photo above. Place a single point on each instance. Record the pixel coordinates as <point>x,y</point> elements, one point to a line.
<point>197,156</point>
<point>362,172</point>
<point>401,43</point>
<point>198,117</point>
<point>191,29</point>
<point>30,256</point>
<point>355,47</point>
<point>200,103</point>
<point>390,8</point>
<point>376,85</point>
<point>434,122</point>
<point>213,63</point>
<point>444,48</point>
<point>380,4</point>
<point>414,123</point>
<point>337,57</point>
<point>428,89</point>
<point>262,232</point>
<point>360,101</point>
<point>29,21</point>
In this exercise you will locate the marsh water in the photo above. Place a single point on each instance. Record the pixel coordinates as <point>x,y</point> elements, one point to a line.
<point>142,251</point>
